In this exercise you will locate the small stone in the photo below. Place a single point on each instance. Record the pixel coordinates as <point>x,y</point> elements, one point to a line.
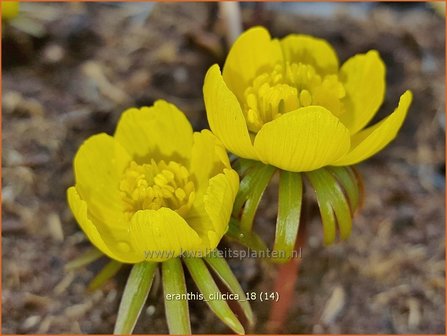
<point>53,53</point>
<point>31,322</point>
<point>55,227</point>
<point>334,306</point>
<point>150,310</point>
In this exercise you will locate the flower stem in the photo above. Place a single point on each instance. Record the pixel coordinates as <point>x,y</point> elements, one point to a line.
<point>348,181</point>
<point>334,207</point>
<point>224,272</point>
<point>249,239</point>
<point>107,272</point>
<point>85,258</point>
<point>177,312</point>
<point>251,189</point>
<point>135,294</point>
<point>207,286</point>
<point>289,211</point>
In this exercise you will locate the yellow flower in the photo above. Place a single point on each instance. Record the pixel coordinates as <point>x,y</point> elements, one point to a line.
<point>288,104</point>
<point>10,9</point>
<point>155,189</point>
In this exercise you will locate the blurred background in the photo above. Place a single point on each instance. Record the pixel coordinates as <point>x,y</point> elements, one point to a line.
<point>70,69</point>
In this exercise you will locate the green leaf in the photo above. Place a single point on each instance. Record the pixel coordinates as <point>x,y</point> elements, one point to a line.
<point>326,212</point>
<point>331,199</point>
<point>177,312</point>
<point>348,181</point>
<point>251,189</point>
<point>244,186</point>
<point>107,272</point>
<point>289,212</point>
<point>134,296</point>
<point>221,268</point>
<point>243,165</point>
<point>249,239</point>
<point>85,258</point>
<point>205,283</point>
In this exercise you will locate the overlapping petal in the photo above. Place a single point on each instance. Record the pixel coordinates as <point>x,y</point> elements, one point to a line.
<point>118,250</point>
<point>310,50</point>
<point>254,51</point>
<point>302,140</point>
<point>371,140</point>
<point>211,214</point>
<point>225,115</point>
<point>216,188</point>
<point>162,234</point>
<point>159,131</point>
<point>363,77</point>
<point>219,199</point>
<point>206,145</point>
<point>98,166</point>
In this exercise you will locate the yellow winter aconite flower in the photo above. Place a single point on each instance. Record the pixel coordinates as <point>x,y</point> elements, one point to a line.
<point>288,104</point>
<point>10,9</point>
<point>153,190</point>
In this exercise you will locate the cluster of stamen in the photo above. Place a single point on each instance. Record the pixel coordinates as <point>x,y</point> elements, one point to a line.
<point>287,88</point>
<point>157,184</point>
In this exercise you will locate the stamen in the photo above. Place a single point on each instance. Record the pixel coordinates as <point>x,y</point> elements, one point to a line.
<point>305,98</point>
<point>288,88</point>
<point>154,185</point>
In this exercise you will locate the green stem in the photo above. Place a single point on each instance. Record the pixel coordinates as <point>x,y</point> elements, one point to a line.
<point>108,271</point>
<point>177,312</point>
<point>85,258</point>
<point>221,268</point>
<point>134,296</point>
<point>243,165</point>
<point>249,239</point>
<point>251,189</point>
<point>331,199</point>
<point>205,283</point>
<point>349,183</point>
<point>289,211</point>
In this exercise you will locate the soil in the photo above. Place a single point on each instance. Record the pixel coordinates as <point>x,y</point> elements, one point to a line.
<point>84,64</point>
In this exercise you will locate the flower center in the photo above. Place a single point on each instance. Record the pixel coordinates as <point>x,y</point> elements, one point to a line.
<point>155,185</point>
<point>288,88</point>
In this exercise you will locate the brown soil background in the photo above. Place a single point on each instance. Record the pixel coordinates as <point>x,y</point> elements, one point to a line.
<point>91,61</point>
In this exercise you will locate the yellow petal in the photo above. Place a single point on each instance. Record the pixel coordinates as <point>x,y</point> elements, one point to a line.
<point>162,234</point>
<point>158,132</point>
<point>225,115</point>
<point>118,250</point>
<point>98,166</point>
<point>252,52</point>
<point>373,139</point>
<point>310,50</point>
<point>219,200</point>
<point>10,9</point>
<point>208,159</point>
<point>363,77</point>
<point>302,140</point>
<point>211,214</point>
